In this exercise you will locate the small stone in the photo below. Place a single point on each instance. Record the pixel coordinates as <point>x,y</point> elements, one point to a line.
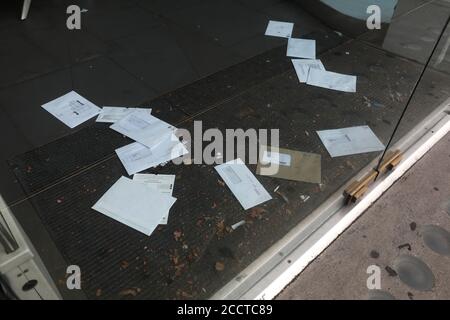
<point>374,254</point>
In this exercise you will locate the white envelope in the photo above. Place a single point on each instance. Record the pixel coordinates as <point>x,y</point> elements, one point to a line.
<point>279,29</point>
<point>244,185</point>
<point>331,80</point>
<point>136,157</point>
<point>72,109</point>
<point>302,67</point>
<point>301,48</point>
<point>164,183</point>
<point>135,204</point>
<point>114,114</point>
<point>353,140</point>
<point>144,128</point>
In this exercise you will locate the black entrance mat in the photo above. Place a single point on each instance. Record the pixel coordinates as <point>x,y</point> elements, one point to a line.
<point>179,260</point>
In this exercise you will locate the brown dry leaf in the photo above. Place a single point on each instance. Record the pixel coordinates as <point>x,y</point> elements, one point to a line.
<point>221,229</point>
<point>130,292</point>
<point>124,264</point>
<point>256,212</point>
<point>177,235</point>
<point>221,183</point>
<point>183,294</point>
<point>220,266</point>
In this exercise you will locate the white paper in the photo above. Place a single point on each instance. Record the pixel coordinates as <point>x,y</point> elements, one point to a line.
<point>283,159</point>
<point>144,128</point>
<point>302,67</point>
<point>301,48</point>
<point>279,29</point>
<point>114,114</point>
<point>353,140</point>
<point>164,183</point>
<point>244,185</point>
<point>72,109</point>
<point>331,80</point>
<point>136,157</point>
<point>135,204</point>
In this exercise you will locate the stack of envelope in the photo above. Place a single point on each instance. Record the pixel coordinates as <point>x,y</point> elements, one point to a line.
<point>156,142</point>
<point>137,204</point>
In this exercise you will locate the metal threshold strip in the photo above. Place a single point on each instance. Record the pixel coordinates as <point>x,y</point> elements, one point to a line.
<point>267,276</point>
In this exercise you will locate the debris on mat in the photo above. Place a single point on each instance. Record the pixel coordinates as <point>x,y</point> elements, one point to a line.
<point>238,224</point>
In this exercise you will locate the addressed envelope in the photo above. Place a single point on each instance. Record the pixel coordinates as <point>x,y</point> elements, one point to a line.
<point>114,114</point>
<point>292,164</point>
<point>352,140</point>
<point>331,80</point>
<point>301,48</point>
<point>136,157</point>
<point>302,67</point>
<point>244,185</point>
<point>143,128</point>
<point>279,29</point>
<point>72,109</point>
<point>164,183</point>
<point>135,204</point>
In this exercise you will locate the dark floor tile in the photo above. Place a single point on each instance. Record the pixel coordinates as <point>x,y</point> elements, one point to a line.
<point>227,22</point>
<point>156,58</point>
<point>205,56</point>
<point>121,23</point>
<point>257,45</point>
<point>22,104</point>
<point>21,59</point>
<point>164,6</point>
<point>100,6</point>
<point>258,4</point>
<point>105,83</point>
<point>292,11</point>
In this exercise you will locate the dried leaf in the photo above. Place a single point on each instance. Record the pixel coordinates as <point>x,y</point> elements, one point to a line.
<point>177,235</point>
<point>220,266</point>
<point>257,212</point>
<point>130,292</point>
